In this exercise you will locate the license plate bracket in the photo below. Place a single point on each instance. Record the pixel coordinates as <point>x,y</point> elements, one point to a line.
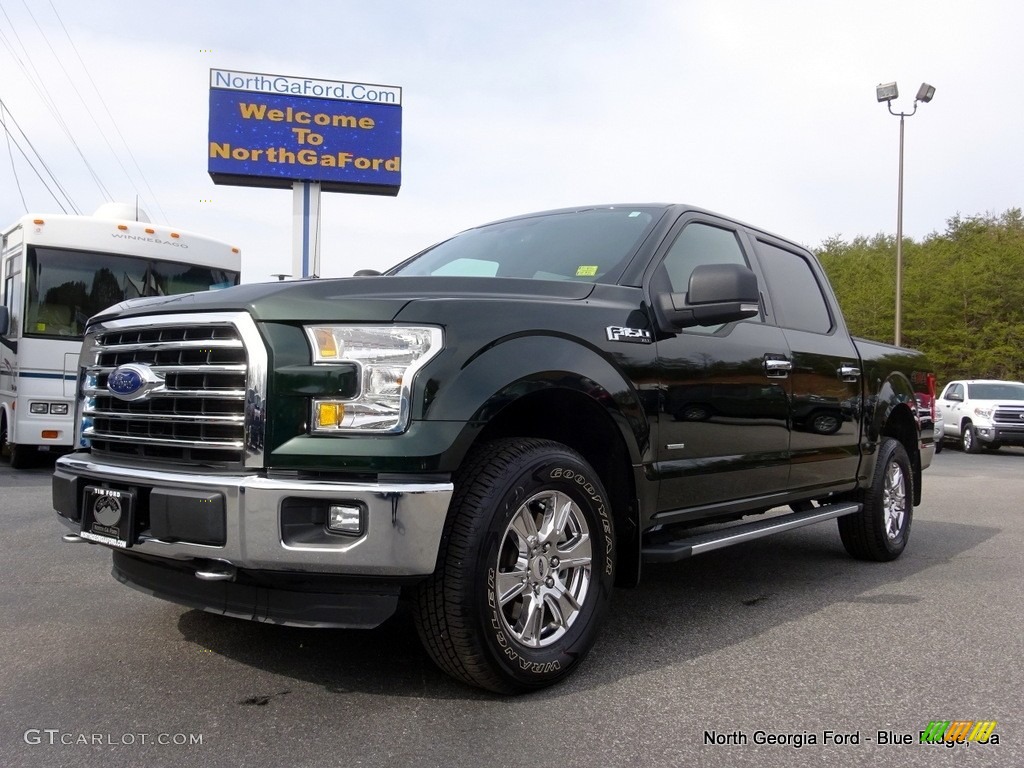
<point>108,516</point>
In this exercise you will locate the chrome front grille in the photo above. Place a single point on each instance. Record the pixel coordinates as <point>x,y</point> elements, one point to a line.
<point>1009,414</point>
<point>200,388</point>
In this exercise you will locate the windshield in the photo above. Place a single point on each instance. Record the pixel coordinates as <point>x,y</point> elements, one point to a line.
<point>66,287</point>
<point>1004,390</point>
<point>592,246</point>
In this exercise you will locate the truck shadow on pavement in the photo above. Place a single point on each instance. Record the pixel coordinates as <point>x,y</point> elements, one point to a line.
<point>680,612</point>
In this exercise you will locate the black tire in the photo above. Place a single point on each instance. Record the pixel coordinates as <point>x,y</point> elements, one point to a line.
<point>694,412</point>
<point>825,422</point>
<point>19,457</point>
<point>938,445</point>
<point>969,439</point>
<point>881,529</point>
<point>518,505</point>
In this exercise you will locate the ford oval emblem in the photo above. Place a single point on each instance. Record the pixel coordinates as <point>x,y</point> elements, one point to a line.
<point>133,381</point>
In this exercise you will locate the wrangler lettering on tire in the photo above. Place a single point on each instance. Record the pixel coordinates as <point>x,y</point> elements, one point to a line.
<point>525,569</point>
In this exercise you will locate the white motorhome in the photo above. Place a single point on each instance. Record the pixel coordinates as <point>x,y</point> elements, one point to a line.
<point>59,270</point>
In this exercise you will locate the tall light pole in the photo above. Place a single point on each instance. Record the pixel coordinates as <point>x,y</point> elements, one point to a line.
<point>887,92</point>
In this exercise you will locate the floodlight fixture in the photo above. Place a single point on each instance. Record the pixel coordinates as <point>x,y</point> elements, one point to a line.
<point>925,93</point>
<point>886,91</point>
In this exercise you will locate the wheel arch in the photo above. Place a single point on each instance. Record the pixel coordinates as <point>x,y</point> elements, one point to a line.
<point>894,416</point>
<point>558,388</point>
<point>901,425</point>
<point>579,422</point>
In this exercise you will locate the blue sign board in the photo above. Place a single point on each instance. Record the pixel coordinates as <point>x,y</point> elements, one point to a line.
<point>273,130</point>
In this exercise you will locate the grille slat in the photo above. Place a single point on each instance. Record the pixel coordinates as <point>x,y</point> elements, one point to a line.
<point>195,415</point>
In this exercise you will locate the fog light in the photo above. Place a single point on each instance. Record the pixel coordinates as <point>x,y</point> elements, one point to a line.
<point>343,518</point>
<point>37,407</point>
<point>60,409</point>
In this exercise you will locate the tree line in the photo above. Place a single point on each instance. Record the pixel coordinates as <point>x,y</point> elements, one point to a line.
<point>963,293</point>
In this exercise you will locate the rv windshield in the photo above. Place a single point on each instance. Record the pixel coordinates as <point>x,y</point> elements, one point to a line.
<point>66,287</point>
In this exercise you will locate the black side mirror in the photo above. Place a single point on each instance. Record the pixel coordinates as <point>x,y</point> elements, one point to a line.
<point>366,273</point>
<point>717,293</point>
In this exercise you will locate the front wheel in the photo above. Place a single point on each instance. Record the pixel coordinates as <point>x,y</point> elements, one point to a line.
<point>881,529</point>
<point>525,568</point>
<point>18,455</point>
<point>969,439</point>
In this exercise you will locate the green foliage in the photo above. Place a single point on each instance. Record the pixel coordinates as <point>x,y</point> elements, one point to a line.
<point>963,293</point>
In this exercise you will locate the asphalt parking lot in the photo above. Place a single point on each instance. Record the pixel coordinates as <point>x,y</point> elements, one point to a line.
<point>783,639</point>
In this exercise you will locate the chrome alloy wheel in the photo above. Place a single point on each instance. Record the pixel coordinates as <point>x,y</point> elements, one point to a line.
<point>543,569</point>
<point>894,500</point>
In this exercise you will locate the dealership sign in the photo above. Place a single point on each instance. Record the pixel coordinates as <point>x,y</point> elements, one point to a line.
<point>272,130</point>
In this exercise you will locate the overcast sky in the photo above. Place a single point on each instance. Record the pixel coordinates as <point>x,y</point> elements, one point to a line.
<point>761,110</point>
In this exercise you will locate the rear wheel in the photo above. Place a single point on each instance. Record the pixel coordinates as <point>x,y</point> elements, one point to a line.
<point>525,568</point>
<point>881,529</point>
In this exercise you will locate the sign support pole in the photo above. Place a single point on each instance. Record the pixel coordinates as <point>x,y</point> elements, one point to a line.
<point>306,228</point>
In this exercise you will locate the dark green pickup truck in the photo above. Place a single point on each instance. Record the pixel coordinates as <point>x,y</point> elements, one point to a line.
<point>499,430</point>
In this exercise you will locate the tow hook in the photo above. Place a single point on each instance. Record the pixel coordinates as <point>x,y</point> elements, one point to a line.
<point>217,572</point>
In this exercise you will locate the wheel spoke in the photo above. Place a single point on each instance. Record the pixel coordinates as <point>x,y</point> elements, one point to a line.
<point>510,585</point>
<point>577,554</point>
<point>531,620</point>
<point>523,523</point>
<point>557,508</point>
<point>554,606</point>
<point>567,603</point>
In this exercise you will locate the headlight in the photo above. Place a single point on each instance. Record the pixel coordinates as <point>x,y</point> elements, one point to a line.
<point>387,358</point>
<point>984,413</point>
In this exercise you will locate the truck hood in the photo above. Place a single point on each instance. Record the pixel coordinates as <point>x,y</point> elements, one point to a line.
<point>354,299</point>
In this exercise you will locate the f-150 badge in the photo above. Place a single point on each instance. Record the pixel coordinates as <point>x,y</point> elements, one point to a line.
<point>632,335</point>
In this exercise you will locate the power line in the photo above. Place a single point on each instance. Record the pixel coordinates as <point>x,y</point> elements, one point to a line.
<point>36,81</point>
<point>113,122</point>
<point>81,98</point>
<point>10,153</point>
<point>11,137</point>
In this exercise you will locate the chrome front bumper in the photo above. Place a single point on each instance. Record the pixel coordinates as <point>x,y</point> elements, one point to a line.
<point>402,532</point>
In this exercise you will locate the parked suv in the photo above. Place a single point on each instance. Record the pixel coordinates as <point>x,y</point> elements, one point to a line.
<point>983,413</point>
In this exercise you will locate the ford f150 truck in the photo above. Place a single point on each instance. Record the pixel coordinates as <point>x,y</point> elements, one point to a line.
<point>500,429</point>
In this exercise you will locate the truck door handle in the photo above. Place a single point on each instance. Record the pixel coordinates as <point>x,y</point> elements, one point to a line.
<point>776,368</point>
<point>848,373</point>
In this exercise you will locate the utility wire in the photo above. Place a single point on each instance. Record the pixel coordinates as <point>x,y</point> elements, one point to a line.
<point>81,98</point>
<point>37,83</point>
<point>10,153</point>
<point>11,137</point>
<point>113,122</point>
<point>41,161</point>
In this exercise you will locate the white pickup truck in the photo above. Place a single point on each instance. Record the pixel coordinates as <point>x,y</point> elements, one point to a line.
<point>983,413</point>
